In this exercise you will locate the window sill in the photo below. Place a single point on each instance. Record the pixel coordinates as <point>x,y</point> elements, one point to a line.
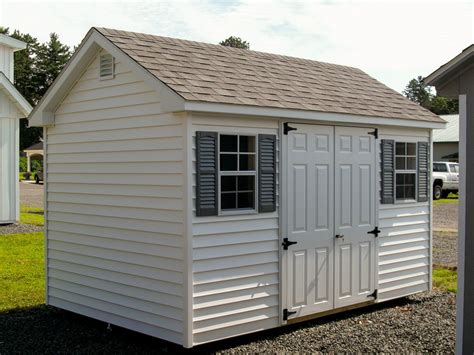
<point>401,202</point>
<point>237,212</point>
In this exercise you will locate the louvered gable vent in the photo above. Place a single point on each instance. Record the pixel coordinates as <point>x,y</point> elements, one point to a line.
<point>107,66</point>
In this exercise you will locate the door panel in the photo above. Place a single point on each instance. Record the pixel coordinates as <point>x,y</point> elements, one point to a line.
<point>310,212</point>
<point>355,215</point>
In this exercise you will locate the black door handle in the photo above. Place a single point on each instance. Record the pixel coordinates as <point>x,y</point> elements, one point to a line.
<point>339,236</point>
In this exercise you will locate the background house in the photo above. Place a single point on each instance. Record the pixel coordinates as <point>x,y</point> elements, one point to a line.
<point>446,140</point>
<point>13,106</point>
<point>34,152</point>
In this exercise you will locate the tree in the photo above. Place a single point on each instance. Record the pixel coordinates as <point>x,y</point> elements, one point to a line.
<point>418,92</point>
<point>235,42</point>
<point>36,67</point>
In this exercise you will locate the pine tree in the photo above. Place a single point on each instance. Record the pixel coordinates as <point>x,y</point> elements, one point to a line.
<point>235,42</point>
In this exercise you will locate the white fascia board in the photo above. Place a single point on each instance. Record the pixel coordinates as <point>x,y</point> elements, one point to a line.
<point>43,114</point>
<point>14,95</point>
<point>445,69</point>
<point>243,110</point>
<point>13,43</point>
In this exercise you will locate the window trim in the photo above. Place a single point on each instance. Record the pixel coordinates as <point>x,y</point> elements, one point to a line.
<point>254,173</point>
<point>399,171</point>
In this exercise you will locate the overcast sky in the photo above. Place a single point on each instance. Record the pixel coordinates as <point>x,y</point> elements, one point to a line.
<point>392,41</point>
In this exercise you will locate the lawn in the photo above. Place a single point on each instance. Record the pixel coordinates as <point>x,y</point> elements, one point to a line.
<point>445,279</point>
<point>452,198</point>
<point>32,215</point>
<point>22,271</point>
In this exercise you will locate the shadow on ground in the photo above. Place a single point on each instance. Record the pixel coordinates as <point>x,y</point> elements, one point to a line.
<point>45,329</point>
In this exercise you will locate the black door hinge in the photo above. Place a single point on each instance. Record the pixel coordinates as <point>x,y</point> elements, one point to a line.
<point>287,128</point>
<point>375,133</point>
<point>287,313</point>
<point>286,243</point>
<point>374,294</point>
<point>375,231</point>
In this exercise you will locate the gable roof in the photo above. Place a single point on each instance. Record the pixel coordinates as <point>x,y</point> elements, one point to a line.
<point>217,74</point>
<point>36,146</point>
<point>450,133</point>
<point>14,95</point>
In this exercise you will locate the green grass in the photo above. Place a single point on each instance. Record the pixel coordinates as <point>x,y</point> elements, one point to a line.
<point>452,198</point>
<point>21,271</point>
<point>445,279</point>
<point>32,215</point>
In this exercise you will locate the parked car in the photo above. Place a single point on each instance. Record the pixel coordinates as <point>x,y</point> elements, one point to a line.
<point>445,179</point>
<point>39,176</point>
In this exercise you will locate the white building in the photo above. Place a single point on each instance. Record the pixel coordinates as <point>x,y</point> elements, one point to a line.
<point>196,192</point>
<point>13,106</point>
<point>446,140</point>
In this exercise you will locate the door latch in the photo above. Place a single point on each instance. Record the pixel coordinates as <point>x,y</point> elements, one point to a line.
<point>338,236</point>
<point>286,243</point>
<point>375,232</point>
<point>287,313</point>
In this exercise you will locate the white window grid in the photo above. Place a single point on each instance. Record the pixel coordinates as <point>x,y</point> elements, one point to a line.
<point>406,171</point>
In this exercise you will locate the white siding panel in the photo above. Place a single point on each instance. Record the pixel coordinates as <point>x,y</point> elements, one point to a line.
<point>404,242</point>
<point>235,258</point>
<point>115,216</point>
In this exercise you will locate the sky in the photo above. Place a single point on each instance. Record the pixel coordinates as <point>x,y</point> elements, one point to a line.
<point>393,41</point>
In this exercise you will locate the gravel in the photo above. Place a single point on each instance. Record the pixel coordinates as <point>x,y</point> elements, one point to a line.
<point>31,194</point>
<point>19,228</point>
<point>445,249</point>
<point>445,216</point>
<point>419,323</point>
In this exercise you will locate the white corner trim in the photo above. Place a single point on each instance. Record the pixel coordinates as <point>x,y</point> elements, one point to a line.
<point>43,113</point>
<point>245,110</point>
<point>14,95</point>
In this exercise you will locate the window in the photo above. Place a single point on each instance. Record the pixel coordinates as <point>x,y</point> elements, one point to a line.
<point>405,171</point>
<point>237,172</point>
<point>440,167</point>
<point>454,168</point>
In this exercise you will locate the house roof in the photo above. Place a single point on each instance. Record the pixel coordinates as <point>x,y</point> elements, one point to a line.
<point>11,42</point>
<point>14,95</point>
<point>450,133</point>
<point>36,146</point>
<point>201,72</point>
<point>446,72</point>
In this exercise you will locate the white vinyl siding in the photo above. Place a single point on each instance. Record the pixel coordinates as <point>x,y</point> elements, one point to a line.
<point>404,244</point>
<point>235,258</point>
<point>115,202</point>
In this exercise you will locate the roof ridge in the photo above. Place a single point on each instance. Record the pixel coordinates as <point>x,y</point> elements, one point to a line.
<point>122,33</point>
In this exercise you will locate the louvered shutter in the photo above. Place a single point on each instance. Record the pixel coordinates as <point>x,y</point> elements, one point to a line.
<point>266,173</point>
<point>388,171</point>
<point>423,171</point>
<point>206,174</point>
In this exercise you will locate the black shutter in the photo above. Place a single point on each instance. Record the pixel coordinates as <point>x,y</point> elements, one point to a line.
<point>206,173</point>
<point>266,172</point>
<point>388,170</point>
<point>423,171</point>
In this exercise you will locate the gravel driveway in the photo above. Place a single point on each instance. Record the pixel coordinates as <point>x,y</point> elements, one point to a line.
<point>31,194</point>
<point>420,323</point>
<point>445,216</point>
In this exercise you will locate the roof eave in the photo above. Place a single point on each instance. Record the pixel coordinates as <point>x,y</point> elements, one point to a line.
<point>13,43</point>
<point>15,96</point>
<point>247,110</point>
<point>443,74</point>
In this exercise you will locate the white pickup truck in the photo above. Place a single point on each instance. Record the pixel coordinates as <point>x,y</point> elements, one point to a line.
<point>445,179</point>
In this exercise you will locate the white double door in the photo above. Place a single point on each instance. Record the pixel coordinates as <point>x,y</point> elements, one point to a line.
<point>330,209</point>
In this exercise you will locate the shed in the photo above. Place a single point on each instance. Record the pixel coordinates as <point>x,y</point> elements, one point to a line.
<point>196,192</point>
<point>13,106</point>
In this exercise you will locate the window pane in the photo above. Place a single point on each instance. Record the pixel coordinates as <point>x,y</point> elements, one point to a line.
<point>400,163</point>
<point>246,183</point>
<point>228,162</point>
<point>246,200</point>
<point>411,148</point>
<point>410,179</point>
<point>400,193</point>
<point>400,148</point>
<point>410,192</point>
<point>229,183</point>
<point>453,168</point>
<point>228,143</point>
<point>411,163</point>
<point>246,162</point>
<point>400,179</point>
<point>228,201</point>
<point>247,143</point>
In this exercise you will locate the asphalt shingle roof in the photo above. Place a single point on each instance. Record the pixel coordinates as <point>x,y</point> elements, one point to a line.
<point>217,74</point>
